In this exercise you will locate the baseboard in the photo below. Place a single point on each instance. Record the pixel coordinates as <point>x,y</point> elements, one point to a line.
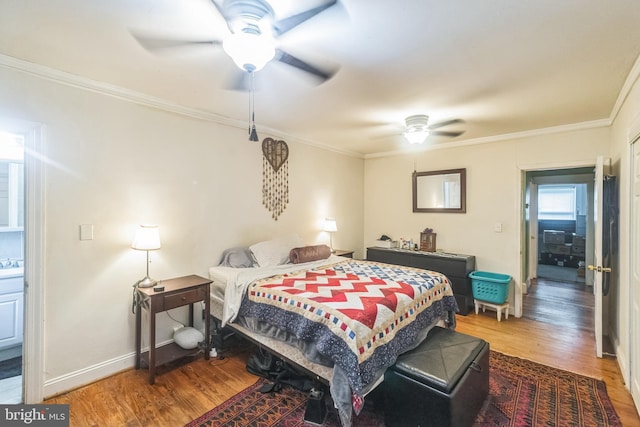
<point>11,353</point>
<point>621,358</point>
<point>90,374</point>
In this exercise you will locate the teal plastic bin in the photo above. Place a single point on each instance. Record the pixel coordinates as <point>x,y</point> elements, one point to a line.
<point>490,287</point>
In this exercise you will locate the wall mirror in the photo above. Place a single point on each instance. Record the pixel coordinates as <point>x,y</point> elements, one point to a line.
<point>440,191</point>
<point>11,194</point>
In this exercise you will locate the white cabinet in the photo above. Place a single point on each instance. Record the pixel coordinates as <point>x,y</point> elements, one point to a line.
<point>11,312</point>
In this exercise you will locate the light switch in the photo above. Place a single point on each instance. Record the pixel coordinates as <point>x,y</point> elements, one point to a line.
<point>86,231</point>
<point>498,227</point>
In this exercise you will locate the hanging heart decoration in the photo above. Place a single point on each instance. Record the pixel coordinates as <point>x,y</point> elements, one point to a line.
<point>276,152</point>
<point>275,176</point>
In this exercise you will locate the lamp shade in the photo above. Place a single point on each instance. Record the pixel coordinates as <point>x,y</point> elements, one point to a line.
<point>329,225</point>
<point>147,238</point>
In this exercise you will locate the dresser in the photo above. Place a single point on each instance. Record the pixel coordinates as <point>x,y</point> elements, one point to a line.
<point>455,266</point>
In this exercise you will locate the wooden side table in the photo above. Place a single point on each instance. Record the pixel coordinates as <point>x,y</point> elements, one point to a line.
<point>177,292</point>
<point>344,253</point>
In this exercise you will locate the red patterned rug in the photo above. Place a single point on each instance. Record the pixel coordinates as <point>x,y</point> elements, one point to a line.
<point>521,393</point>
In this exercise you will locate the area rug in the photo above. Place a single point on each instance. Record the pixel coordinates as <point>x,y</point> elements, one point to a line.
<point>11,368</point>
<point>521,393</point>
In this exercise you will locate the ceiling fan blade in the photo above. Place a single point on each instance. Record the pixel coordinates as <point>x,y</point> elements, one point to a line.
<point>445,133</point>
<point>445,123</point>
<point>221,12</point>
<point>282,26</point>
<point>289,59</point>
<point>155,45</point>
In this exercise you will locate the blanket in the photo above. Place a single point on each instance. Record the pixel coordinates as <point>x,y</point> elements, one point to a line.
<point>359,314</point>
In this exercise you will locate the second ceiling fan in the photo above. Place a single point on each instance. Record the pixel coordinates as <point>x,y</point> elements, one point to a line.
<point>417,128</point>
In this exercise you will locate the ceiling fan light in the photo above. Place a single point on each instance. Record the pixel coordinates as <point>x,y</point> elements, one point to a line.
<point>416,136</point>
<point>417,129</point>
<point>250,52</point>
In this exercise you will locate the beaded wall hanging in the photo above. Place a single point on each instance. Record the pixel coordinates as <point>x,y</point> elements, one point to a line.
<point>275,176</point>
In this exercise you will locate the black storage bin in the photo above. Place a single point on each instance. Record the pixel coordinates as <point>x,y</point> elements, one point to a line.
<point>442,382</point>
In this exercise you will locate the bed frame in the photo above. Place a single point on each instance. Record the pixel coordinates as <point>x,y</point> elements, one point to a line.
<point>284,351</point>
<point>315,411</point>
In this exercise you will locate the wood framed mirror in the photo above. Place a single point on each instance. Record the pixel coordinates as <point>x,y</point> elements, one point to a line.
<point>440,191</point>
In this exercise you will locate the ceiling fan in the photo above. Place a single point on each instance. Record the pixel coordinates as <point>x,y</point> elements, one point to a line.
<point>417,128</point>
<point>253,31</point>
<point>251,41</point>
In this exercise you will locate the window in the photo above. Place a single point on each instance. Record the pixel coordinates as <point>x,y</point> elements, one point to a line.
<point>557,202</point>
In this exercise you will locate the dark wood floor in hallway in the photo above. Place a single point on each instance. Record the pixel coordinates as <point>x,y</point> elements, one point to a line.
<point>565,304</point>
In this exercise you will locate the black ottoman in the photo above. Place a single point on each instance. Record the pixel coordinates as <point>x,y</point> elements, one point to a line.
<point>442,382</point>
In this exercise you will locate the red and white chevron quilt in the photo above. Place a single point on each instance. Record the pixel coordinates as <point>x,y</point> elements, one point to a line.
<point>363,303</point>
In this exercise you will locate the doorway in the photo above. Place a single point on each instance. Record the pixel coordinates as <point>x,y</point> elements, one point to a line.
<point>559,291</point>
<point>33,135</point>
<point>11,266</point>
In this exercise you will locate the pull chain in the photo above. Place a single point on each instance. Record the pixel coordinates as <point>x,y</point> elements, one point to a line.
<point>253,134</point>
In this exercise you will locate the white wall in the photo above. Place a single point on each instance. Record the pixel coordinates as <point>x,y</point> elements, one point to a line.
<point>493,193</point>
<point>115,164</point>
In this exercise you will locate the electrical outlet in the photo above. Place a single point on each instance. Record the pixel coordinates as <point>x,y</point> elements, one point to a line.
<point>497,227</point>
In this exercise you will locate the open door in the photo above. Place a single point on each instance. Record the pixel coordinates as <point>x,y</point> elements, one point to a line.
<point>634,333</point>
<point>602,246</point>
<point>533,233</point>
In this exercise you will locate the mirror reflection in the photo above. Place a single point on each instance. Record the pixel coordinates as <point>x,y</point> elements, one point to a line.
<point>11,206</point>
<point>440,191</point>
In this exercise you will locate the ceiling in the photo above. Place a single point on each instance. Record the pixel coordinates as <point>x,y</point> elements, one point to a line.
<point>504,67</point>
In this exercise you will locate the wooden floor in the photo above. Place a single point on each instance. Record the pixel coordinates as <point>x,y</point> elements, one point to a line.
<point>567,304</point>
<point>182,393</point>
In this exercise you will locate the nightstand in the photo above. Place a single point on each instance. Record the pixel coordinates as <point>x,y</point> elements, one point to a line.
<point>177,292</point>
<point>344,253</point>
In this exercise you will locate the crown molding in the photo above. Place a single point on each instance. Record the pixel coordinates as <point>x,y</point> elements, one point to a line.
<point>504,137</point>
<point>631,79</point>
<point>121,93</point>
<point>73,80</point>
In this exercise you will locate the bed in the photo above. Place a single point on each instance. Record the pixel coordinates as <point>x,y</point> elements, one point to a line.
<point>349,319</point>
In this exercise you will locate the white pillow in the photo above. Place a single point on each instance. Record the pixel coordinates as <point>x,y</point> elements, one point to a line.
<point>275,252</point>
<point>188,337</point>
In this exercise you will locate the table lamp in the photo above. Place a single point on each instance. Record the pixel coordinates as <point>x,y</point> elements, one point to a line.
<point>331,227</point>
<point>147,238</point>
